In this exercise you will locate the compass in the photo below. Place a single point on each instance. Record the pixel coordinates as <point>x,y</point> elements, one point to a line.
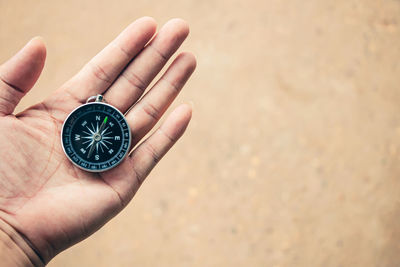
<point>95,136</point>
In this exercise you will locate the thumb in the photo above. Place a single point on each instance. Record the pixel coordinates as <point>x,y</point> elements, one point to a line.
<point>20,73</point>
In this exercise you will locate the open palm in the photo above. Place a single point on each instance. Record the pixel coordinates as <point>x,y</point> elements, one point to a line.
<point>50,202</point>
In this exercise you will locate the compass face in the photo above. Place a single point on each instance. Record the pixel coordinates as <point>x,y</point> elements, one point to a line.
<point>96,137</point>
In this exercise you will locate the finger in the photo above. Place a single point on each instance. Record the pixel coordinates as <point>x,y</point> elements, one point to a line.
<point>100,72</point>
<point>127,177</point>
<point>133,81</point>
<point>20,73</point>
<point>145,114</point>
<point>150,152</point>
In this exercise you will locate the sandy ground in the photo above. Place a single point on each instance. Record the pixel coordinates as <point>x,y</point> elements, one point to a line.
<point>292,158</point>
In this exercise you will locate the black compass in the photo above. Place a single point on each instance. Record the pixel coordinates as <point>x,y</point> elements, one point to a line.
<point>95,136</point>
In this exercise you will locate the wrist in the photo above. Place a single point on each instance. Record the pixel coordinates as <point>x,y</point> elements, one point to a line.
<point>15,250</point>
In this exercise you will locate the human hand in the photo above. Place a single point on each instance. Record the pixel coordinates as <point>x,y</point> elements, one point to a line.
<point>46,199</point>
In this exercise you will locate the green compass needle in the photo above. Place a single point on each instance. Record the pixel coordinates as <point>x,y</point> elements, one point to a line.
<point>102,125</point>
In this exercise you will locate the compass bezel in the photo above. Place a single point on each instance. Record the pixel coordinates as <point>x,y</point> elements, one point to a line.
<point>93,163</point>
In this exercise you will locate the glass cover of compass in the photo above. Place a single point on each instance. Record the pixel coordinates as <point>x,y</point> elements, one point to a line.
<point>96,137</point>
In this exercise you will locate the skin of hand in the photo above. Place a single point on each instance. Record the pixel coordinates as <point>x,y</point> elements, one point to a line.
<point>48,201</point>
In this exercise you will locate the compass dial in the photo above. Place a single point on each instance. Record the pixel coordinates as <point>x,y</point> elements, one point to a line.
<point>96,137</point>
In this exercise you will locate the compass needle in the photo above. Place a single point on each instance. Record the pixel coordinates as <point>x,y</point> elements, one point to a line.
<point>91,149</point>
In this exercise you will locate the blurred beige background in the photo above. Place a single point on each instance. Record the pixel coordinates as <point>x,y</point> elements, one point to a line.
<point>292,157</point>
